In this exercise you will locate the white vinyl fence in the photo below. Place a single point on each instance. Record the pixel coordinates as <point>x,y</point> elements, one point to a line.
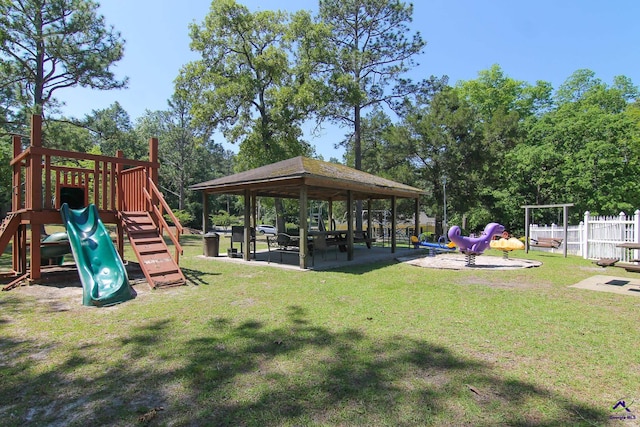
<point>595,237</point>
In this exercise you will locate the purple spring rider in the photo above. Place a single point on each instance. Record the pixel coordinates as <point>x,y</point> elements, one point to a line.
<point>472,246</point>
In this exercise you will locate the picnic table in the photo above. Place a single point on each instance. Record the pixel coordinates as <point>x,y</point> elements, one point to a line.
<point>630,246</point>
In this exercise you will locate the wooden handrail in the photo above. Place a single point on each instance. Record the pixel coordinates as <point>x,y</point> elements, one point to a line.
<point>164,204</point>
<point>80,156</point>
<point>165,225</point>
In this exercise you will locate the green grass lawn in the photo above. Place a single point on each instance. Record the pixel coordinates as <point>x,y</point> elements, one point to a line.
<point>372,345</point>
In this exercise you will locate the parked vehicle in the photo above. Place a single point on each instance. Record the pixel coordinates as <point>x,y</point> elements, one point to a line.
<point>266,229</point>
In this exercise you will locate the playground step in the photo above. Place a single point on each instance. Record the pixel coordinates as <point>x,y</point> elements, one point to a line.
<point>152,249</point>
<point>152,252</point>
<point>8,229</point>
<point>151,240</point>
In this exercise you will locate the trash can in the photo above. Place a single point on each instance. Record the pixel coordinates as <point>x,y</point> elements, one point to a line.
<point>211,244</point>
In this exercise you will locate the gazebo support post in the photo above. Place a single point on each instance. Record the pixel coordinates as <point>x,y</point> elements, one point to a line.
<point>330,216</point>
<point>394,223</point>
<point>349,225</point>
<point>416,213</point>
<point>254,218</point>
<point>205,212</point>
<point>246,255</point>
<point>303,226</point>
<point>369,235</point>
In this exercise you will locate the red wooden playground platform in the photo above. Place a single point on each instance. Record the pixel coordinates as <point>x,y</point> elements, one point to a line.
<point>124,191</point>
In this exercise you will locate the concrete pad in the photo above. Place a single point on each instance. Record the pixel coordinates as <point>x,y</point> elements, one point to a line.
<point>616,285</point>
<point>457,261</point>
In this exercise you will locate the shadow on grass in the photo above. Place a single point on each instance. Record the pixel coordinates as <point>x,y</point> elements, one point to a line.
<point>195,277</point>
<point>252,374</point>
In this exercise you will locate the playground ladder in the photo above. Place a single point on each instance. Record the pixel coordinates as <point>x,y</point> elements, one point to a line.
<point>152,252</point>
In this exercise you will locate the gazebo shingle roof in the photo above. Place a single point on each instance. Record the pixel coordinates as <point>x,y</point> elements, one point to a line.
<point>324,181</point>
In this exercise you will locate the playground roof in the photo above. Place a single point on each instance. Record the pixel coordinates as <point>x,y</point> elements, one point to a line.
<point>324,181</point>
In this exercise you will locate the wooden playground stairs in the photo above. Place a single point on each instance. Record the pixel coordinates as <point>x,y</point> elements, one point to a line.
<point>8,229</point>
<point>160,269</point>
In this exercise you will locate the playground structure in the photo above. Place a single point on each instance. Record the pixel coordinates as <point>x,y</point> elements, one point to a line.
<point>472,246</point>
<point>124,192</point>
<point>507,244</point>
<point>440,246</point>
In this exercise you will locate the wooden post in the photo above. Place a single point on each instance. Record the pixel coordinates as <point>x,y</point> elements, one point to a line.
<point>349,225</point>
<point>565,226</point>
<point>247,226</point>
<point>416,210</point>
<point>254,218</point>
<point>16,204</point>
<point>119,185</point>
<point>118,203</point>
<point>368,235</point>
<point>330,216</point>
<point>394,214</point>
<point>35,173</point>
<point>205,212</point>
<point>303,200</point>
<point>153,173</point>
<point>526,230</point>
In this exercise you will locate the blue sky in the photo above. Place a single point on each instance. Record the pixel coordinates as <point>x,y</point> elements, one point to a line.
<point>531,40</point>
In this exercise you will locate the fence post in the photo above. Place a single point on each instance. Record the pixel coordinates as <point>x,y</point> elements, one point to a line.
<point>636,231</point>
<point>585,236</point>
<point>580,239</point>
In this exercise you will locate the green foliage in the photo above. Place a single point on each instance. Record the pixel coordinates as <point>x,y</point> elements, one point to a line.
<point>183,216</point>
<point>224,219</point>
<point>112,130</point>
<point>369,49</point>
<point>51,45</point>
<point>247,85</point>
<point>584,151</point>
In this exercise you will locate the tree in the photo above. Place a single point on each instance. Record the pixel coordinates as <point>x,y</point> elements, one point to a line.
<point>503,107</point>
<point>253,83</point>
<point>584,150</point>
<point>248,86</point>
<point>370,48</point>
<point>48,45</point>
<point>181,142</point>
<point>112,130</point>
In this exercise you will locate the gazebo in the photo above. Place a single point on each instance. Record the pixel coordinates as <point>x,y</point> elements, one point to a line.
<point>307,179</point>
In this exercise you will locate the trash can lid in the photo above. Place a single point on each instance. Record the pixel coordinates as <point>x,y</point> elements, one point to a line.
<point>211,234</point>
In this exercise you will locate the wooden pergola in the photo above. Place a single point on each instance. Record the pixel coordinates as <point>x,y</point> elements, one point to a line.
<point>307,179</point>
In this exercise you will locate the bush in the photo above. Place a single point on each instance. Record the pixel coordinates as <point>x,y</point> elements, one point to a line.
<point>183,216</point>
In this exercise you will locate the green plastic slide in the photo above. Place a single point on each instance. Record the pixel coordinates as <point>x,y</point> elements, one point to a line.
<point>102,273</point>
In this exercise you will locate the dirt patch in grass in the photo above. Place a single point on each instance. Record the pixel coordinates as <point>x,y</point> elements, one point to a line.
<point>498,282</point>
<point>458,261</point>
<point>60,288</point>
